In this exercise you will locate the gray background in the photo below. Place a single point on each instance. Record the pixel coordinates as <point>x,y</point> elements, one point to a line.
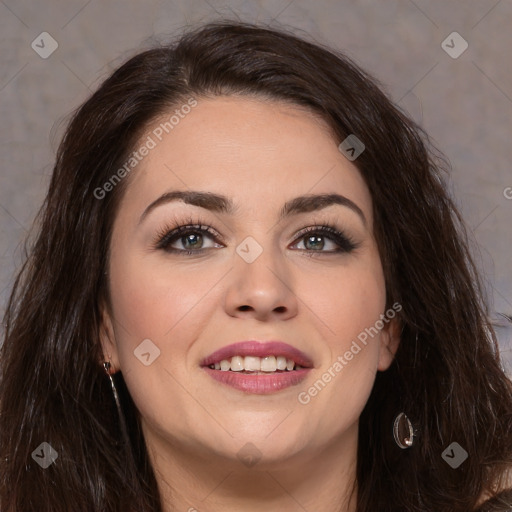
<point>464,103</point>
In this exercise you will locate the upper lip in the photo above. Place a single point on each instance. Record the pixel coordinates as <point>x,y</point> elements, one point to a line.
<point>259,349</point>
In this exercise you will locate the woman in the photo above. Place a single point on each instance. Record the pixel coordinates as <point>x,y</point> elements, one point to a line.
<point>250,289</point>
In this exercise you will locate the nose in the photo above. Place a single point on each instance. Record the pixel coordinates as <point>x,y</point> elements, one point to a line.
<point>263,289</point>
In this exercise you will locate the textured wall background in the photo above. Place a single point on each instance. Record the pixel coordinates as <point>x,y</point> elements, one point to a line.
<point>464,100</point>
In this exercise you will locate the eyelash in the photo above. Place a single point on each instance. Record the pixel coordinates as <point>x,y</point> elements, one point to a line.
<point>168,235</point>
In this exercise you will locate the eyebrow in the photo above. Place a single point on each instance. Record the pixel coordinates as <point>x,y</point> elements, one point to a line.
<point>223,204</point>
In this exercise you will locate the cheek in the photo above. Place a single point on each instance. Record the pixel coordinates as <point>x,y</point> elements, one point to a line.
<point>171,308</point>
<point>347,302</point>
<point>153,299</point>
<point>168,304</point>
<point>349,306</point>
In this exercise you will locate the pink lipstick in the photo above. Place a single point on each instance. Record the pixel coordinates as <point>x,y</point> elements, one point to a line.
<point>258,367</point>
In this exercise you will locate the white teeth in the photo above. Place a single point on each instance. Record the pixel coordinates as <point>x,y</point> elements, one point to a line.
<point>267,364</point>
<point>252,364</point>
<point>281,362</point>
<point>237,364</point>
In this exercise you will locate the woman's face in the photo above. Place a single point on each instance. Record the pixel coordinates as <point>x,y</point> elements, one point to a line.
<point>257,277</point>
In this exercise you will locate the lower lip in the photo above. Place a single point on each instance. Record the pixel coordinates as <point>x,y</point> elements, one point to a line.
<point>259,384</point>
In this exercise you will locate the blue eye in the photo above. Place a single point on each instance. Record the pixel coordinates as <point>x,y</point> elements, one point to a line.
<point>315,236</point>
<point>191,238</point>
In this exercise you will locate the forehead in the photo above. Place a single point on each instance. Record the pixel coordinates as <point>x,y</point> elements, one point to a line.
<point>256,151</point>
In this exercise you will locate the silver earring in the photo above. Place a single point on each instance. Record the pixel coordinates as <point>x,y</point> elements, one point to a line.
<point>107,366</point>
<point>403,431</point>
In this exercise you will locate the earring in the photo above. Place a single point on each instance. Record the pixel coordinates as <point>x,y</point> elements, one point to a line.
<point>403,431</point>
<point>107,366</point>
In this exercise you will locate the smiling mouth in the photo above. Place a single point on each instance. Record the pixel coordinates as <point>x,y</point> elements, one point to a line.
<point>253,365</point>
<point>258,368</point>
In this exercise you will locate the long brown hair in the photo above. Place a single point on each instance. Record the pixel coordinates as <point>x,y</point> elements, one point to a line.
<point>446,375</point>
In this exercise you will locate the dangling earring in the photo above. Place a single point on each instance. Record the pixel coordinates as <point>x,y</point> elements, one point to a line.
<point>403,431</point>
<point>107,366</point>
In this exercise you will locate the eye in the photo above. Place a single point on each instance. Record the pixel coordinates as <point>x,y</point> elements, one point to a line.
<point>314,240</point>
<point>187,239</point>
<point>192,239</point>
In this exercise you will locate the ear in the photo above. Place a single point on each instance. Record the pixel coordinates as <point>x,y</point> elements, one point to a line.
<point>389,342</point>
<point>108,339</point>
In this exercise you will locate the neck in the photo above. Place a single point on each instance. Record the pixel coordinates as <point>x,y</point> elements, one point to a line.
<point>317,479</point>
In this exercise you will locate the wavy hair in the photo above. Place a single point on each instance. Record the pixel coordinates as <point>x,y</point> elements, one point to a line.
<point>446,375</point>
